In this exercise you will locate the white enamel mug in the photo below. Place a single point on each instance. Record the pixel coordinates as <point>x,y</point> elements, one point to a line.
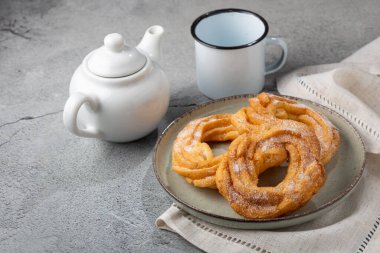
<point>230,52</point>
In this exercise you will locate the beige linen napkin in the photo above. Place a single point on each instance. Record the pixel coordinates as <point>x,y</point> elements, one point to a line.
<point>352,88</point>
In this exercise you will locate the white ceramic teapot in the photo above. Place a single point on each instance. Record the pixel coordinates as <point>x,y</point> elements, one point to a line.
<point>118,93</point>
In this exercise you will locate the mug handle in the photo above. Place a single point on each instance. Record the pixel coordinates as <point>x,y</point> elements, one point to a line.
<point>70,115</point>
<point>280,63</point>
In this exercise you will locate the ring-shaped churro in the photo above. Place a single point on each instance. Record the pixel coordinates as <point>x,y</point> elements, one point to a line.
<point>267,108</point>
<point>283,108</point>
<point>192,157</point>
<point>237,177</point>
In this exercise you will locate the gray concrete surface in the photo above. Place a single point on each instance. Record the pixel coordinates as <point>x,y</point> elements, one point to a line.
<point>61,193</point>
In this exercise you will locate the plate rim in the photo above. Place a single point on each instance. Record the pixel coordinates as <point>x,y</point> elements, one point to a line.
<point>337,199</point>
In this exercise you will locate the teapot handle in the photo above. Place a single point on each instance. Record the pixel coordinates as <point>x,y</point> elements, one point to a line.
<point>70,114</point>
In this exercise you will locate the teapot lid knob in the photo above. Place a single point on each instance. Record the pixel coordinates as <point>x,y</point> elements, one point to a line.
<point>114,42</point>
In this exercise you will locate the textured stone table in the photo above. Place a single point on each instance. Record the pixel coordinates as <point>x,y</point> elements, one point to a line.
<point>59,192</point>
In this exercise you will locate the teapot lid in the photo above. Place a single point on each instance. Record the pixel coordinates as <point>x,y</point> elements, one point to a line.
<point>115,59</point>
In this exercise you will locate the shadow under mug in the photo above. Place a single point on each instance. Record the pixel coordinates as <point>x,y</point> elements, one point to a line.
<point>230,52</point>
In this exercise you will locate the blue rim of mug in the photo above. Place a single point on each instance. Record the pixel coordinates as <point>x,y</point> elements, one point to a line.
<point>215,12</point>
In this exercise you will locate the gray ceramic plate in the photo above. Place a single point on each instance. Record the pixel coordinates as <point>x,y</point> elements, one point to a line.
<point>343,172</point>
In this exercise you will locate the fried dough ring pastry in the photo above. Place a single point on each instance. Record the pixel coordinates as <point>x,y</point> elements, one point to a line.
<point>237,176</point>
<point>192,157</point>
<point>266,108</point>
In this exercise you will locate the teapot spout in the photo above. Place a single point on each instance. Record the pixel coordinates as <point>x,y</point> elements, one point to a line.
<point>151,42</point>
